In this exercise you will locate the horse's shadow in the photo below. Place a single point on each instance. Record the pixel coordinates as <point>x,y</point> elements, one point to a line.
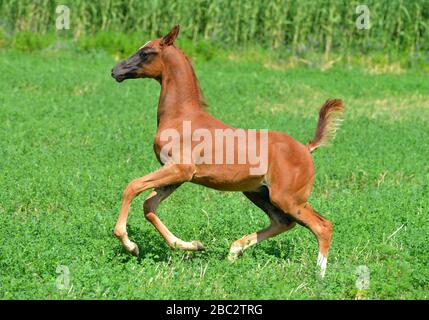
<point>278,250</point>
<point>150,247</point>
<point>153,247</point>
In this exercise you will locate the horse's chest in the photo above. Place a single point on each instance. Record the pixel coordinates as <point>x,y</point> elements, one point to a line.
<point>158,144</point>
<point>168,146</point>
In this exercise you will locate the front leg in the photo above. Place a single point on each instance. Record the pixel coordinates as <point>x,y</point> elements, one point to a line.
<point>151,204</point>
<point>170,174</point>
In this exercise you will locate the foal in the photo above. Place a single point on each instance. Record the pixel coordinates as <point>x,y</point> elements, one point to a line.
<point>280,189</point>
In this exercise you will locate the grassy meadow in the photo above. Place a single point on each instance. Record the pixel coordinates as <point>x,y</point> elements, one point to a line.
<point>71,138</point>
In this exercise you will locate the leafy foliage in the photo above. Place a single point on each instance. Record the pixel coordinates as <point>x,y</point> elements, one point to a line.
<point>321,25</point>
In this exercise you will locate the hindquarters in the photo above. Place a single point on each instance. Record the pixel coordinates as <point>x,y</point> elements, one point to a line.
<point>291,171</point>
<point>290,178</point>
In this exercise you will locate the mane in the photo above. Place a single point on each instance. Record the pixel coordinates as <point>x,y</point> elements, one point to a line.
<point>202,100</point>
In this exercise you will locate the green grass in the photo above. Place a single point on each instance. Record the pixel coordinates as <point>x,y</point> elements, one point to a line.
<point>71,139</point>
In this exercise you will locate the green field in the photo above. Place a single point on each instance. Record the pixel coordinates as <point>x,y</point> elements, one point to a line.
<point>71,139</point>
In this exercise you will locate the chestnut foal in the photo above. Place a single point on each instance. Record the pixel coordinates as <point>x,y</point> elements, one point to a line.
<point>281,191</point>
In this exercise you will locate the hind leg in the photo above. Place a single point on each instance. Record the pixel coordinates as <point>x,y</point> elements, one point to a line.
<point>279,223</point>
<point>305,215</point>
<point>291,177</point>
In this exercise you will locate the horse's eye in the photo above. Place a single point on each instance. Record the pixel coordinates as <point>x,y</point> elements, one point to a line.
<point>143,54</point>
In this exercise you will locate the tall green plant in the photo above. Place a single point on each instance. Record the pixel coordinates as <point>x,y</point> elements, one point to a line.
<point>322,25</point>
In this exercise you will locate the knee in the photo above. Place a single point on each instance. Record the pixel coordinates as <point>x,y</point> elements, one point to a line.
<point>149,216</point>
<point>148,208</point>
<point>132,189</point>
<point>129,191</point>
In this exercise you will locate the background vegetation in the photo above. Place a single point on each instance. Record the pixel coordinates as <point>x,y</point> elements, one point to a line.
<point>289,27</point>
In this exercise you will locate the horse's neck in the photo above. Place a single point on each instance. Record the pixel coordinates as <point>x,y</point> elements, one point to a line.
<point>180,94</point>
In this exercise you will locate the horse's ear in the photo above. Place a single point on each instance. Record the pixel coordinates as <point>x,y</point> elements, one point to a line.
<point>169,39</point>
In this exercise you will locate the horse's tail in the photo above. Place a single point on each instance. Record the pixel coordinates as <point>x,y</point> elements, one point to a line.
<point>329,121</point>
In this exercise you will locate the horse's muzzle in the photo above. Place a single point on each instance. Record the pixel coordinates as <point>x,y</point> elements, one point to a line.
<point>118,73</point>
<point>123,71</point>
<point>118,77</point>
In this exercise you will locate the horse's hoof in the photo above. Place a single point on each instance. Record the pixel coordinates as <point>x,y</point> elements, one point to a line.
<point>133,249</point>
<point>198,246</point>
<point>234,253</point>
<point>233,256</point>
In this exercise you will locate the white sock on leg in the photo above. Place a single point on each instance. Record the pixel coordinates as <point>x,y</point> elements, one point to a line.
<point>322,261</point>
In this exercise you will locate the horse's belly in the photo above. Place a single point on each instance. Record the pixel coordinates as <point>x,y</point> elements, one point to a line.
<point>228,177</point>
